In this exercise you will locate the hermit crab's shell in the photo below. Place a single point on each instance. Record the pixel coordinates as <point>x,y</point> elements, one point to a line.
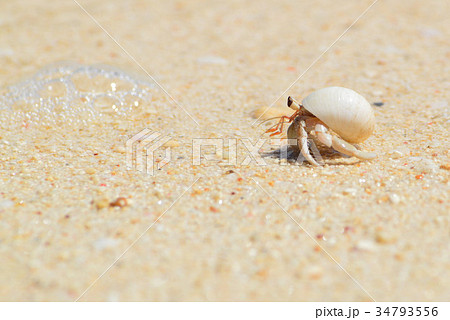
<point>344,111</point>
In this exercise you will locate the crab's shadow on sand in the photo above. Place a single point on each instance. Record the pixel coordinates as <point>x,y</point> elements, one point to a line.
<point>321,154</point>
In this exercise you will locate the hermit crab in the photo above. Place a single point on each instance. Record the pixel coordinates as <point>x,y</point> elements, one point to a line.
<point>336,116</point>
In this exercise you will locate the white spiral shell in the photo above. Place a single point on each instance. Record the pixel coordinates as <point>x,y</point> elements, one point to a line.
<point>344,111</point>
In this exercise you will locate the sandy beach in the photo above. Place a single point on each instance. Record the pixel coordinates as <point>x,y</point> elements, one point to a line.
<point>80,79</point>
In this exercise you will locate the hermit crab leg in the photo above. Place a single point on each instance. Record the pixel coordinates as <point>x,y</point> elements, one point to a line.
<point>346,148</point>
<point>278,128</point>
<point>303,141</point>
<point>322,134</point>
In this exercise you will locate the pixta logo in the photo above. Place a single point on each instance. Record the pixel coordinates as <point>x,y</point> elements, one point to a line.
<point>141,148</point>
<point>147,142</point>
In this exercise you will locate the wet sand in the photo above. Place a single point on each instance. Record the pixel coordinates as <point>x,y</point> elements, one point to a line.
<point>232,235</point>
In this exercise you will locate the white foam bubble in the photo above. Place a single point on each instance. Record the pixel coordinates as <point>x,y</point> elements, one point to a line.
<point>68,93</point>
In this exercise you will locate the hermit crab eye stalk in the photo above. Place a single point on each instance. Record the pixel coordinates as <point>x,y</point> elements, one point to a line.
<point>291,103</point>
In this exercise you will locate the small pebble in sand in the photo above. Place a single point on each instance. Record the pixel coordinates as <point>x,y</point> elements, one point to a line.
<point>119,202</point>
<point>423,165</point>
<point>370,73</point>
<point>349,191</point>
<point>384,237</point>
<point>90,170</point>
<point>213,209</point>
<point>105,243</point>
<point>314,272</point>
<point>394,198</point>
<point>378,104</point>
<point>101,203</point>
<point>399,152</point>
<point>366,245</point>
<point>377,93</point>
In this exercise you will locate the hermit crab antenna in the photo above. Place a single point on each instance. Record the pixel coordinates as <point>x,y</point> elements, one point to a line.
<point>291,103</point>
<point>278,128</point>
<point>267,120</point>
